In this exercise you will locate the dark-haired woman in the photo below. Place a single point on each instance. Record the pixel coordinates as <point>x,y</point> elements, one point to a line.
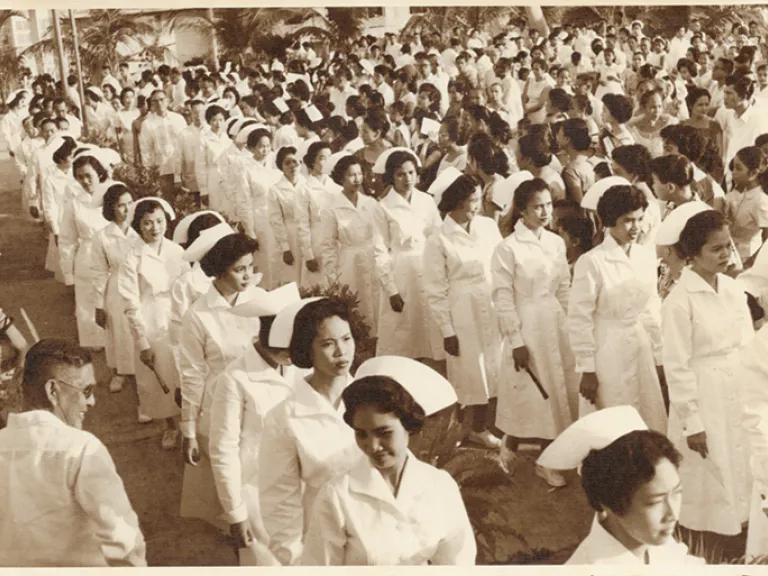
<point>617,112</point>
<point>55,191</point>
<point>305,442</point>
<point>633,162</point>
<point>144,281</point>
<point>283,210</point>
<point>531,284</point>
<point>647,129</point>
<point>314,199</point>
<point>391,509</point>
<point>457,282</point>
<point>213,143</point>
<point>631,480</point>
<point>404,219</point>
<point>80,222</point>
<point>614,316</point>
<point>484,163</point>
<point>110,247</point>
<point>373,132</point>
<point>10,125</point>
<point>706,322</point>
<point>348,232</point>
<point>211,338</point>
<point>698,101</point>
<point>746,205</point>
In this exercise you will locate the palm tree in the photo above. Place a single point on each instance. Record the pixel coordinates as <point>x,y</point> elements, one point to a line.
<point>12,62</point>
<point>99,35</point>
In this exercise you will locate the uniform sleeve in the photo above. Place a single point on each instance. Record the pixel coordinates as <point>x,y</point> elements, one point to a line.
<point>100,492</point>
<point>329,251</point>
<point>651,316</point>
<point>51,208</point>
<point>200,162</point>
<point>382,242</point>
<point>458,547</point>
<point>224,447</point>
<point>761,214</point>
<point>563,290</point>
<point>243,201</point>
<point>326,536</point>
<point>99,270</point>
<point>179,306</point>
<point>147,144</point>
<point>572,182</point>
<point>280,488</point>
<point>503,294</point>
<point>128,287</point>
<point>193,369</point>
<point>68,238</point>
<point>581,310</point>
<point>754,404</point>
<point>304,223</point>
<point>277,221</point>
<point>436,284</point>
<point>677,352</point>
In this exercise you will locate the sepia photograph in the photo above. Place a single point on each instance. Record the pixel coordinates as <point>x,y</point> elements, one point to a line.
<point>384,286</point>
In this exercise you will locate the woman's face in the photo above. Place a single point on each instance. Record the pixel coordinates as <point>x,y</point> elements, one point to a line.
<point>538,213</point>
<point>670,148</point>
<point>333,348</point>
<point>496,93</point>
<point>628,227</point>
<point>353,179</point>
<point>422,101</point>
<point>368,134</point>
<point>129,100</point>
<point>742,176</point>
<point>538,73</point>
<point>237,277</point>
<point>321,160</point>
<point>653,107</point>
<point>30,129</point>
<point>655,508</point>
<point>701,107</point>
<point>262,149</point>
<point>469,208</point>
<point>381,436</point>
<point>290,166</point>
<point>405,177</point>
<point>153,226</point>
<point>121,208</point>
<point>87,178</point>
<point>443,139</point>
<point>216,123</point>
<point>714,256</point>
<point>229,100</point>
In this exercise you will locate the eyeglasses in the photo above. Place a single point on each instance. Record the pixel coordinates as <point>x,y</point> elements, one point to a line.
<point>87,391</point>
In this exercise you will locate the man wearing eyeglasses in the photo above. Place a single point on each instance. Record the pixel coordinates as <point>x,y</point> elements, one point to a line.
<point>62,502</point>
<point>159,140</point>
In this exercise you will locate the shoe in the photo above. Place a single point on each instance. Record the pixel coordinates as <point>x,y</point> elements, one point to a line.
<point>553,478</point>
<point>485,439</point>
<point>116,384</point>
<point>144,419</point>
<point>507,459</point>
<point>170,438</point>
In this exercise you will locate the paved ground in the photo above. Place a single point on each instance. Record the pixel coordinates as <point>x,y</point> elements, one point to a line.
<point>517,519</point>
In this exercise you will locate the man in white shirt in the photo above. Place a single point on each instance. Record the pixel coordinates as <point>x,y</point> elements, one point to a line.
<point>190,145</point>
<point>160,140</point>
<point>382,75</point>
<point>62,502</point>
<point>341,92</point>
<point>744,120</point>
<point>178,89</point>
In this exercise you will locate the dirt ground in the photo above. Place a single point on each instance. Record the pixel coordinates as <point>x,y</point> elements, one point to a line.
<point>517,519</point>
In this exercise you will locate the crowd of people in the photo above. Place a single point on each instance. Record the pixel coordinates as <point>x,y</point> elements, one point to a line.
<point>567,226</point>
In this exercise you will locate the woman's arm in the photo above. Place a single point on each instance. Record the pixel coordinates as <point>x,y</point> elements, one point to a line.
<point>193,369</point>
<point>436,284</point>
<point>581,311</point>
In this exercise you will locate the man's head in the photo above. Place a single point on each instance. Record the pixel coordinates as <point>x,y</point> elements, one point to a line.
<point>59,378</point>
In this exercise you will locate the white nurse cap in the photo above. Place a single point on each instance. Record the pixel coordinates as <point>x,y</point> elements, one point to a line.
<point>281,332</point>
<point>428,387</point>
<point>504,192</point>
<point>593,432</point>
<point>269,303</point>
<point>242,135</point>
<point>596,191</point>
<point>164,203</point>
<point>206,241</point>
<point>442,182</point>
<point>380,167</point>
<point>669,231</point>
<point>181,233</point>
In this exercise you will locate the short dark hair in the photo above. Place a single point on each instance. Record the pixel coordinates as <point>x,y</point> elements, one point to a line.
<point>459,190</point>
<point>611,476</point>
<point>696,231</point>
<point>255,137</point>
<point>673,168</point>
<point>395,161</point>
<point>576,131</point>
<point>87,160</point>
<point>313,151</point>
<point>388,396</point>
<point>340,170</point>
<point>213,110</point>
<point>111,197</point>
<point>198,224</point>
<point>282,154</point>
<point>64,150</point>
<point>226,252</point>
<point>742,85</point>
<point>619,200</point>
<point>41,360</point>
<point>144,208</point>
<point>306,324</point>
<point>619,106</point>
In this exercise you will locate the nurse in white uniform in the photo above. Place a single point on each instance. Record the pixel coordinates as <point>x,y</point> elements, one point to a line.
<point>404,219</point>
<point>245,393</point>
<point>630,476</point>
<point>706,322</point>
<point>211,338</point>
<point>144,280</point>
<point>614,313</point>
<point>391,509</point>
<point>531,285</point>
<point>56,188</point>
<point>305,442</point>
<point>284,199</point>
<point>110,247</point>
<point>80,222</point>
<point>457,282</point>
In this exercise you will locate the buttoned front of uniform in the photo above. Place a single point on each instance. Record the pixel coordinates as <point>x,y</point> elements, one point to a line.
<point>358,521</point>
<point>284,198</point>
<point>306,443</point>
